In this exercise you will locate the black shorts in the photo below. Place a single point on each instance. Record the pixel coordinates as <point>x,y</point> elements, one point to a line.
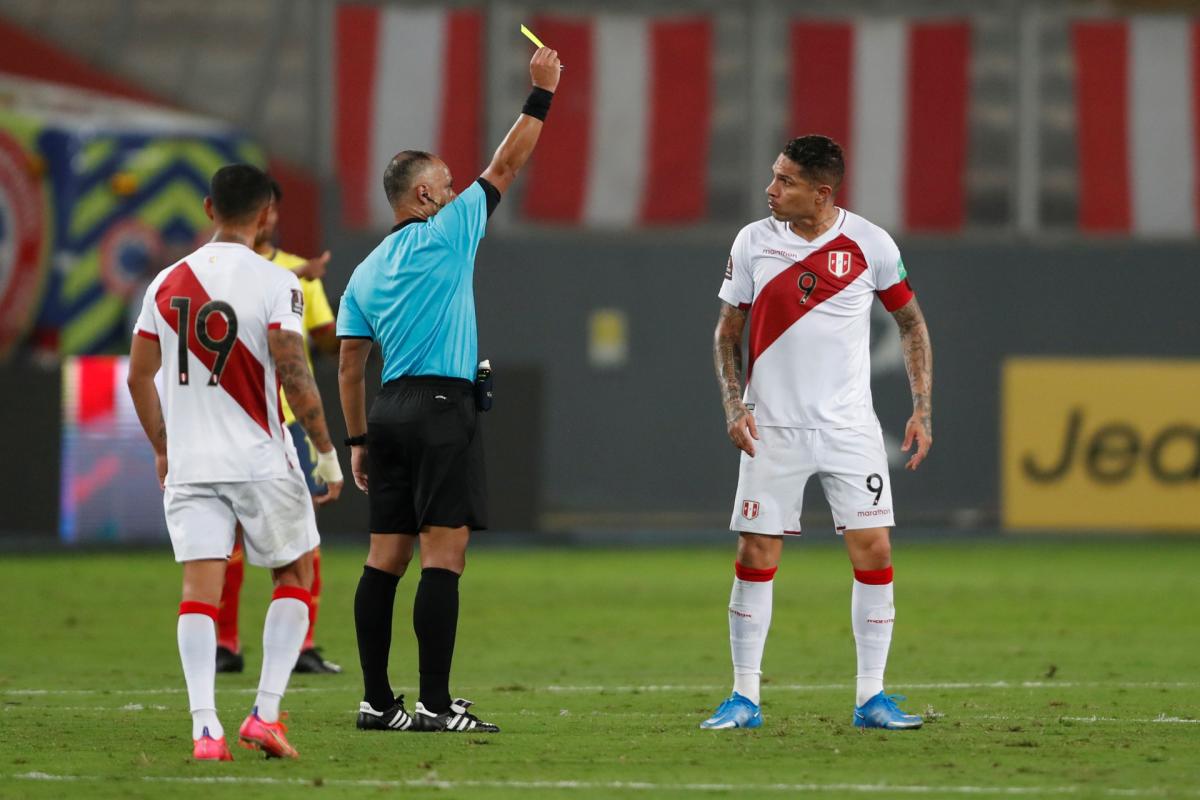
<point>425,457</point>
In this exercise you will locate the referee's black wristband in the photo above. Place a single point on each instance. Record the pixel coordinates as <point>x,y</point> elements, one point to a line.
<point>355,441</point>
<point>537,105</point>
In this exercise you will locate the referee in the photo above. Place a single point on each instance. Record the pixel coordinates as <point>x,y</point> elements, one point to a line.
<point>421,447</point>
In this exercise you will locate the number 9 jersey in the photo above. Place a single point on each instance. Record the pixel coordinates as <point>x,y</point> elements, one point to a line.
<point>210,314</point>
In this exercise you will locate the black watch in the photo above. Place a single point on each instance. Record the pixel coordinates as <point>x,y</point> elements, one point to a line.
<point>355,441</point>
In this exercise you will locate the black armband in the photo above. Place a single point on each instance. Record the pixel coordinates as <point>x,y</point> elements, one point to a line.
<point>355,441</point>
<point>537,105</point>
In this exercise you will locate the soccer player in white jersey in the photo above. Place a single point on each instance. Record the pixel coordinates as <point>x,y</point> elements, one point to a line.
<point>806,277</point>
<point>224,324</point>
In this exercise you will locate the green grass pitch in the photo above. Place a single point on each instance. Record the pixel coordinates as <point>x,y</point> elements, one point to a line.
<point>1046,669</point>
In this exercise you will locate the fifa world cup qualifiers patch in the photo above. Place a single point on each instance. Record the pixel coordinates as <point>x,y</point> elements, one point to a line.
<point>729,268</point>
<point>298,301</point>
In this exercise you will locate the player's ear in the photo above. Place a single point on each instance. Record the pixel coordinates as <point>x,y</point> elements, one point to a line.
<point>263,215</point>
<point>208,209</point>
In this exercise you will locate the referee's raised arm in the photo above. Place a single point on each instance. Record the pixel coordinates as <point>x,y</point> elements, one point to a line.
<point>514,151</point>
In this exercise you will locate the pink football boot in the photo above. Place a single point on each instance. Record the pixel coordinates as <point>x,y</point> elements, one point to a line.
<point>266,736</point>
<point>206,748</point>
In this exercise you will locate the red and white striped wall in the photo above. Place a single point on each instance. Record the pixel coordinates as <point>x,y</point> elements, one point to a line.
<point>1137,97</point>
<point>407,79</point>
<point>626,142</point>
<point>894,94</point>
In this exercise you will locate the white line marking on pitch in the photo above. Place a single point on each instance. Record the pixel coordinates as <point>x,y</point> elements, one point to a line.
<point>1161,718</point>
<point>641,786</point>
<point>784,687</point>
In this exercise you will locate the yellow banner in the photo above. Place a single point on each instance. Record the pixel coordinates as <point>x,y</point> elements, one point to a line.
<point>1101,444</point>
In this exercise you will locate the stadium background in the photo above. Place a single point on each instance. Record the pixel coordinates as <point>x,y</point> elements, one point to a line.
<point>1037,162</point>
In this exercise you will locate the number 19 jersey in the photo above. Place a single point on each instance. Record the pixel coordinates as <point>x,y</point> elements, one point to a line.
<point>210,314</point>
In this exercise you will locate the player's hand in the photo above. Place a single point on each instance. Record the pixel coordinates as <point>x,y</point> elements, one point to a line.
<point>160,466</point>
<point>358,466</point>
<point>919,429</point>
<point>314,268</point>
<point>739,423</point>
<point>545,68</point>
<point>329,472</point>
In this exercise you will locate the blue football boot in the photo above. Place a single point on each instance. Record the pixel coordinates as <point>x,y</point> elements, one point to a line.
<point>735,712</point>
<point>881,711</point>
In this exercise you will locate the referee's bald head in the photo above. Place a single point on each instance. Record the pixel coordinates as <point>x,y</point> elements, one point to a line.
<point>417,184</point>
<point>403,172</point>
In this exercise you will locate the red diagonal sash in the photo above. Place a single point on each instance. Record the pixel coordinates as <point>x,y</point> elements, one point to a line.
<point>243,377</point>
<point>778,306</point>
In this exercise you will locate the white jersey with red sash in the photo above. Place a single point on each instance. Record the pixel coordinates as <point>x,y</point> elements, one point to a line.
<point>810,318</point>
<point>210,313</point>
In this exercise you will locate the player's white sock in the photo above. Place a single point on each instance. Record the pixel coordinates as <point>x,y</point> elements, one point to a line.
<point>283,634</point>
<point>749,620</point>
<point>197,636</point>
<point>872,615</point>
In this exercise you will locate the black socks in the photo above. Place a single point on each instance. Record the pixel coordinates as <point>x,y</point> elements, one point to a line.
<point>373,604</point>
<point>435,621</point>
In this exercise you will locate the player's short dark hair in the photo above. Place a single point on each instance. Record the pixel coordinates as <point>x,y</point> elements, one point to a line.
<point>819,158</point>
<point>404,167</point>
<point>239,191</point>
<point>276,190</point>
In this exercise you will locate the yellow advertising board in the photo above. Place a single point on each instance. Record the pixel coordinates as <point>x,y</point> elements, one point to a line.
<point>1101,444</point>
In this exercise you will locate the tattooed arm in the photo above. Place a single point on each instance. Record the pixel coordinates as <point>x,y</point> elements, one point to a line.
<point>145,358</point>
<point>300,389</point>
<point>287,351</point>
<point>918,361</point>
<point>727,358</point>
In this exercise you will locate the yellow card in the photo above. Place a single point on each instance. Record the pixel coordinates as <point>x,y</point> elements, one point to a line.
<point>529,35</point>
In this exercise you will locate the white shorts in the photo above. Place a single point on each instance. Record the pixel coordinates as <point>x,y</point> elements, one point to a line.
<point>850,462</point>
<point>276,515</point>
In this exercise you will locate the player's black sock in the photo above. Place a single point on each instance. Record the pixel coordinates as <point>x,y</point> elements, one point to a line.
<point>373,603</point>
<point>435,620</point>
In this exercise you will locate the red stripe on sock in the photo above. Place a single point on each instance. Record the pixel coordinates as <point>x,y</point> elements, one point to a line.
<point>196,607</point>
<point>751,574</point>
<point>874,577</point>
<point>294,592</point>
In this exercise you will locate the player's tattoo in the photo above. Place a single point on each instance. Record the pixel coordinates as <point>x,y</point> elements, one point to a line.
<point>727,358</point>
<point>918,360</point>
<point>287,351</point>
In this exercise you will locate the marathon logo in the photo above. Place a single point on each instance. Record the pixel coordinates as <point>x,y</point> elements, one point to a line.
<point>875,512</point>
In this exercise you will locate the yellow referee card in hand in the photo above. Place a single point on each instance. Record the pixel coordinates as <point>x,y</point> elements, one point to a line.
<point>531,37</point>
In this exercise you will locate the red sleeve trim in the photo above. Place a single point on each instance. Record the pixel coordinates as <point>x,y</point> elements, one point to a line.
<point>147,335</point>
<point>896,297</point>
<point>874,577</point>
<point>274,326</point>
<point>752,574</point>
<point>196,607</point>
<point>293,593</point>
<point>326,326</point>
<point>744,306</point>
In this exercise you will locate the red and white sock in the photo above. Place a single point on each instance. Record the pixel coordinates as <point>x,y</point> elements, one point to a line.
<point>227,617</point>
<point>872,614</point>
<point>197,636</point>
<point>749,620</point>
<point>316,601</point>
<point>283,633</point>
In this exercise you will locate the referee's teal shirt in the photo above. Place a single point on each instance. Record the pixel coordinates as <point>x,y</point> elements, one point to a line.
<point>414,294</point>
